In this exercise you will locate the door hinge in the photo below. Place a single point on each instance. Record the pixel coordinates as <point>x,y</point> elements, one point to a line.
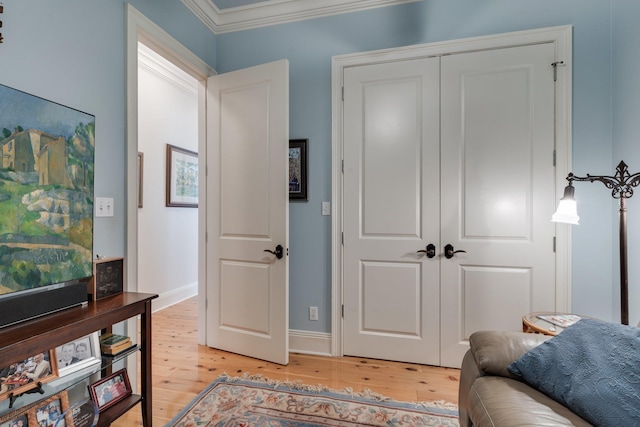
<point>554,244</point>
<point>343,93</point>
<point>342,166</point>
<point>554,158</point>
<point>343,311</point>
<point>555,69</point>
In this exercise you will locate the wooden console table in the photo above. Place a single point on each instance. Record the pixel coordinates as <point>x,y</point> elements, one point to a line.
<point>47,332</point>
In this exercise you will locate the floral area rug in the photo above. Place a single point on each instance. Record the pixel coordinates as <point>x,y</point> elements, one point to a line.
<point>258,401</point>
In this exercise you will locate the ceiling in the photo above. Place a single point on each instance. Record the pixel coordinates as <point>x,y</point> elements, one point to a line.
<point>223,16</point>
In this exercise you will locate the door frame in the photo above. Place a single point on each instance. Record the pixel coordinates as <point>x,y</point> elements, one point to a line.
<point>561,36</point>
<point>141,29</point>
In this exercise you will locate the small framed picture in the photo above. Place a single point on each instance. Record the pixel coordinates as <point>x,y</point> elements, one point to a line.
<point>298,169</point>
<point>15,419</point>
<point>182,177</point>
<point>78,354</point>
<point>110,390</point>
<point>108,278</point>
<point>51,412</point>
<point>26,374</point>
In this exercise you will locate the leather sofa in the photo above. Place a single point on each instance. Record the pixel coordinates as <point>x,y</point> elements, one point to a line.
<point>490,395</point>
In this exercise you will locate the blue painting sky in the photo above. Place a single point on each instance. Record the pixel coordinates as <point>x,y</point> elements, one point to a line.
<point>21,109</point>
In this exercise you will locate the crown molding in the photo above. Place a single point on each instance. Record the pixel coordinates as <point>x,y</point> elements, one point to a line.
<point>155,64</point>
<point>273,12</point>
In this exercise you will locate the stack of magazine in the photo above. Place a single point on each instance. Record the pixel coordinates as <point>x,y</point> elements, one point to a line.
<point>562,320</point>
<point>114,344</point>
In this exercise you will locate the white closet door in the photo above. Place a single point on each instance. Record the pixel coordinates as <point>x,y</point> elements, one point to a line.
<point>391,208</point>
<point>497,191</point>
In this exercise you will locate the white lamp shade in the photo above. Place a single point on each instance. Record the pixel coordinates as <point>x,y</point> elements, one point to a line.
<point>567,212</point>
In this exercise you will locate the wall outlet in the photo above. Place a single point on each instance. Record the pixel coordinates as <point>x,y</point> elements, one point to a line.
<point>313,313</point>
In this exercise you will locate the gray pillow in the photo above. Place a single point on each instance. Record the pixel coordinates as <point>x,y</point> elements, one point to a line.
<point>593,368</point>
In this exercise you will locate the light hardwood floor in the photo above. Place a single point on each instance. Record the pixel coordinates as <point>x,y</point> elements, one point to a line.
<point>182,368</point>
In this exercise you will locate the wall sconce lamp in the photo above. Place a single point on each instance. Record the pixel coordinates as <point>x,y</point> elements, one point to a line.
<point>621,185</point>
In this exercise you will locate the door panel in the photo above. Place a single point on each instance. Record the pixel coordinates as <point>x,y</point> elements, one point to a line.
<point>497,145</point>
<point>247,212</point>
<point>391,178</point>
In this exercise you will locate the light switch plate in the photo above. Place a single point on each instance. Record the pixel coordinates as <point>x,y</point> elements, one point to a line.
<point>326,208</point>
<point>104,206</point>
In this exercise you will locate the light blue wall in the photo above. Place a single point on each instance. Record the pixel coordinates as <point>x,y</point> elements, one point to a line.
<point>72,52</point>
<point>309,46</point>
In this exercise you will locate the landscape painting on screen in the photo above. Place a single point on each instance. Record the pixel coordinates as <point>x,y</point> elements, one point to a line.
<point>46,192</point>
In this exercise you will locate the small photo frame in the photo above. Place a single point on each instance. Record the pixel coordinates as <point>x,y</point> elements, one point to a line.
<point>78,354</point>
<point>182,177</point>
<point>15,419</point>
<point>51,412</point>
<point>298,169</point>
<point>108,278</point>
<point>25,375</point>
<point>110,390</point>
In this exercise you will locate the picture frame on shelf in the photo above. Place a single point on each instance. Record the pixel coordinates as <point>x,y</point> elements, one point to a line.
<point>181,177</point>
<point>19,418</point>
<point>110,390</point>
<point>26,374</point>
<point>298,163</point>
<point>84,413</point>
<point>15,418</point>
<point>108,278</point>
<point>52,411</point>
<point>78,354</point>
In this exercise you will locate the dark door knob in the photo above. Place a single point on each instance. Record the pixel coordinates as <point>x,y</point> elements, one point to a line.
<point>430,250</point>
<point>449,252</point>
<point>279,252</point>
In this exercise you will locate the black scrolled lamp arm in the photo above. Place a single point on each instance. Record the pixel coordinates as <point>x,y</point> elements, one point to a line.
<point>621,186</point>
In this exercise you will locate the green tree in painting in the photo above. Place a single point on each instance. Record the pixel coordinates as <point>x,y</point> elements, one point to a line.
<point>25,273</point>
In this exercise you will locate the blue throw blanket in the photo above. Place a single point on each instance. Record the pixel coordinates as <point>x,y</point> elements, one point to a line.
<point>593,368</point>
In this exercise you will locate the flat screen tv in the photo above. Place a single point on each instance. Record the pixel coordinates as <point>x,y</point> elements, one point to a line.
<point>46,205</point>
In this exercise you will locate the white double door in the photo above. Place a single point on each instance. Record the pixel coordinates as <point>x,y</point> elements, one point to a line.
<point>450,150</point>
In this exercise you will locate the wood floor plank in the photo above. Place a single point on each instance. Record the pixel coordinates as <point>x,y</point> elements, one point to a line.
<point>181,369</point>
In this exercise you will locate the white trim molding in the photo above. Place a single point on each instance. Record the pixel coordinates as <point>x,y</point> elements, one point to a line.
<point>174,296</point>
<point>307,342</point>
<point>273,12</point>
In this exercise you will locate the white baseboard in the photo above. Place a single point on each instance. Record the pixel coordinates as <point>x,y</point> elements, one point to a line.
<point>308,342</point>
<point>174,296</point>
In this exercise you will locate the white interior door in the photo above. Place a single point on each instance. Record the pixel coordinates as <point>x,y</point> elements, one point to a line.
<point>498,148</point>
<point>247,212</point>
<point>452,150</point>
<point>392,183</point>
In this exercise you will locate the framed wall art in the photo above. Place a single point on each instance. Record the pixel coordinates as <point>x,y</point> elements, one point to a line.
<point>25,375</point>
<point>182,177</point>
<point>110,390</point>
<point>78,354</point>
<point>298,169</point>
